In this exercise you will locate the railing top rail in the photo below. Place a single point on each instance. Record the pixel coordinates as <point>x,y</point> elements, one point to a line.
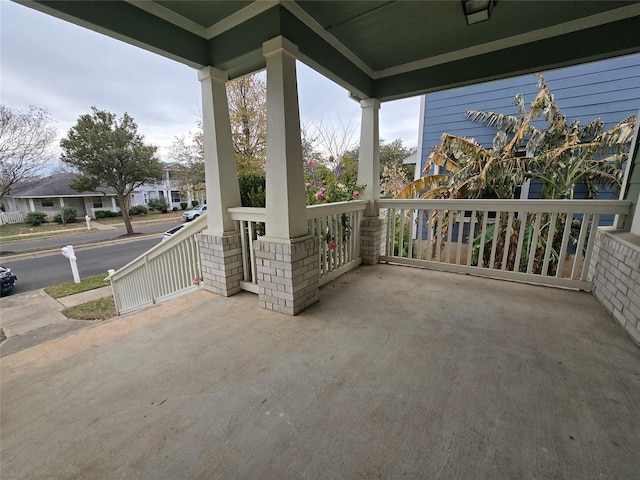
<point>251,214</point>
<point>194,227</point>
<point>561,206</point>
<point>325,209</point>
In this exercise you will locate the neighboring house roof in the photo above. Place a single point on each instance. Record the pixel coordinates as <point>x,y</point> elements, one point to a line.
<point>411,159</point>
<point>56,185</point>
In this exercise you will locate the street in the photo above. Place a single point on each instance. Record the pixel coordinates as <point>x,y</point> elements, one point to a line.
<point>35,273</point>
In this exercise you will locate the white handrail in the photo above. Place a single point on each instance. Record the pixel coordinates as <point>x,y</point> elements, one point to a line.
<point>166,270</point>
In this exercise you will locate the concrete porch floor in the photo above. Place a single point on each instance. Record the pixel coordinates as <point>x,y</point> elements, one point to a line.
<point>396,373</point>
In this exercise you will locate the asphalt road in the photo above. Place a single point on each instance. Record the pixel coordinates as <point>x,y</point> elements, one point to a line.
<point>44,271</point>
<point>49,267</point>
<point>78,238</point>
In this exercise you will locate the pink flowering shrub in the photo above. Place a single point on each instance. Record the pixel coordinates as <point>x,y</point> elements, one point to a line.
<point>332,181</point>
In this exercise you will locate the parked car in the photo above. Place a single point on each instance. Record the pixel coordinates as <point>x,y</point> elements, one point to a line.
<point>195,213</point>
<point>7,280</point>
<point>168,233</point>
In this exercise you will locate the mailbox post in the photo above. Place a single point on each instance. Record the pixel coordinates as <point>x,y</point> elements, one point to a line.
<point>70,254</point>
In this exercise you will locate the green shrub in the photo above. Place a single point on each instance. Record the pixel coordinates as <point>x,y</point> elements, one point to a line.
<point>183,205</point>
<point>175,209</point>
<point>194,203</point>
<point>66,215</point>
<point>252,189</point>
<point>106,214</point>
<point>36,218</point>
<point>158,205</point>
<point>138,210</point>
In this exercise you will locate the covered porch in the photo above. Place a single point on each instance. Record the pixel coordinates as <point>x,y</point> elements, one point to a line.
<point>442,376</point>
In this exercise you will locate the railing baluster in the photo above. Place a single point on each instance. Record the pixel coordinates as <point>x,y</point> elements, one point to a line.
<point>439,234</point>
<point>471,235</point>
<point>430,233</point>
<point>494,242</point>
<point>460,216</point>
<point>410,215</point>
<point>523,223</point>
<point>566,235</point>
<point>533,246</point>
<point>419,220</point>
<point>590,244</point>
<point>401,233</point>
<point>507,242</point>
<point>578,255</point>
<point>449,235</point>
<point>483,236</point>
<point>551,231</point>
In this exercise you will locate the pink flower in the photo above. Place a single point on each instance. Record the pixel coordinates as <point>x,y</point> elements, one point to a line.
<point>320,196</point>
<point>309,162</point>
<point>322,190</point>
<point>324,182</point>
<point>196,281</point>
<point>331,158</point>
<point>308,185</point>
<point>356,194</point>
<point>333,245</point>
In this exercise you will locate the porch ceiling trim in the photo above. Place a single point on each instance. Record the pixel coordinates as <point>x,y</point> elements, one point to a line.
<point>384,49</point>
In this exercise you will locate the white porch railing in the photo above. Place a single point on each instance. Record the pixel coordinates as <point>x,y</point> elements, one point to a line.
<point>540,241</point>
<point>11,217</point>
<point>167,270</point>
<point>338,227</point>
<point>336,224</point>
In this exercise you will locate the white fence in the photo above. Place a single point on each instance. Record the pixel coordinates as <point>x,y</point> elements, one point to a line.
<point>169,269</point>
<point>11,217</point>
<point>540,241</point>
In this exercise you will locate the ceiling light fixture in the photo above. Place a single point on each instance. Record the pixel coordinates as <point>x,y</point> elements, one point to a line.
<point>477,10</point>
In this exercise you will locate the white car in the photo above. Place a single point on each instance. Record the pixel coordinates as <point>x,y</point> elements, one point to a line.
<point>195,213</point>
<point>167,235</point>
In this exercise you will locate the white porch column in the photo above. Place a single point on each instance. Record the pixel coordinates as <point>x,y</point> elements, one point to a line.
<point>219,158</point>
<point>220,244</point>
<point>369,161</point>
<point>372,225</point>
<point>287,257</point>
<point>286,202</point>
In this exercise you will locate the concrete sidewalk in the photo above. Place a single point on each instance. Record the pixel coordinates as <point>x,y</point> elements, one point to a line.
<point>396,373</point>
<point>32,318</point>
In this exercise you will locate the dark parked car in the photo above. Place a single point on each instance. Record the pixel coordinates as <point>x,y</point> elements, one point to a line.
<point>7,280</point>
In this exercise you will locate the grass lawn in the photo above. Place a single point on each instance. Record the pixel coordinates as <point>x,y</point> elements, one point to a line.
<point>69,288</point>
<point>101,309</point>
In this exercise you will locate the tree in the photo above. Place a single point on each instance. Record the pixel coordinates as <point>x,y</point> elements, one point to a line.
<point>107,152</point>
<point>189,151</point>
<point>25,140</point>
<point>561,155</point>
<point>392,156</point>
<point>247,97</point>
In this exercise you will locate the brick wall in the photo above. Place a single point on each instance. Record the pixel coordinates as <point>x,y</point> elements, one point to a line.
<point>615,271</point>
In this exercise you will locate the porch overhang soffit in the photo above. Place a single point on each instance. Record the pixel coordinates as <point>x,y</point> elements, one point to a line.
<point>375,49</point>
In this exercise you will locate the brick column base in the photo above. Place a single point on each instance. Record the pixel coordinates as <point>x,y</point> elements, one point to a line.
<point>371,238</point>
<point>287,275</point>
<point>221,262</point>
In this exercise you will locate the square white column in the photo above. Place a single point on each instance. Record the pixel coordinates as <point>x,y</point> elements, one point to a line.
<point>221,175</point>
<point>286,202</point>
<point>369,160</point>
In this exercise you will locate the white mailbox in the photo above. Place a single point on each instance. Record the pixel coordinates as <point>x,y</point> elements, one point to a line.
<point>70,254</point>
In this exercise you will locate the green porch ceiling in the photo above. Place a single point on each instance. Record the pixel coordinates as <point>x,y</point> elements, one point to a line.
<point>384,49</point>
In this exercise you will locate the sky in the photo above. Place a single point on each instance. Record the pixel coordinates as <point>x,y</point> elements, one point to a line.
<point>67,69</point>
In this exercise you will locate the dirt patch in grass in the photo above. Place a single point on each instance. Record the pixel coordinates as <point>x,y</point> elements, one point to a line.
<point>101,309</point>
<point>69,288</point>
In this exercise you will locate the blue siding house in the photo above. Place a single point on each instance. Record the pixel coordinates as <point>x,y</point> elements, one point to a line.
<point>608,89</point>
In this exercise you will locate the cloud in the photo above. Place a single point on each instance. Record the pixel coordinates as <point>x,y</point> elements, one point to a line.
<point>67,69</point>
